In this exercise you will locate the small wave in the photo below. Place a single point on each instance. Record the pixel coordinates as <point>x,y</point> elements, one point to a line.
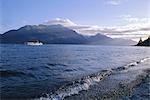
<point>126,66</point>
<point>55,64</point>
<point>84,83</point>
<point>11,73</point>
<point>69,70</point>
<point>145,59</point>
<point>76,86</point>
<point>130,65</point>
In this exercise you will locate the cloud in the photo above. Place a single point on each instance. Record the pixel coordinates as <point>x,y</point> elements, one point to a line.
<point>64,22</point>
<point>138,28</point>
<point>114,2</point>
<point>132,19</point>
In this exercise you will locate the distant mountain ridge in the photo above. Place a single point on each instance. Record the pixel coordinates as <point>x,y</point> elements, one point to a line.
<point>47,34</point>
<point>57,34</point>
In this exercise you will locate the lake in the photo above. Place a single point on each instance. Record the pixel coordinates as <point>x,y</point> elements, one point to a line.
<point>58,71</point>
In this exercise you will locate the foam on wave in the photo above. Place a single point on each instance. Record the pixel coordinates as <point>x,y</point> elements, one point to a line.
<point>84,83</point>
<point>132,64</point>
<point>76,86</point>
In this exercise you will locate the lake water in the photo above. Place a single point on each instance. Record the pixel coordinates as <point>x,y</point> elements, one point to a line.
<point>58,71</point>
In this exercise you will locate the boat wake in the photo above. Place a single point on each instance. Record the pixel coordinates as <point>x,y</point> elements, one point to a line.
<point>84,83</point>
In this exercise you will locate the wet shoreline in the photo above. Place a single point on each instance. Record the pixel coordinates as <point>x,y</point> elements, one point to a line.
<point>123,90</point>
<point>112,84</point>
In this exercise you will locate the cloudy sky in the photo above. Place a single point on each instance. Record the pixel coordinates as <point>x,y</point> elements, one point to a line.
<point>128,19</point>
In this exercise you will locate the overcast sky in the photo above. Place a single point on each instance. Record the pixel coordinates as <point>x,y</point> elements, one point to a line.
<point>116,18</point>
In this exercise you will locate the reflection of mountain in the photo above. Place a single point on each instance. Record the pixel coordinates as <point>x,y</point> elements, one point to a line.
<point>57,34</point>
<point>144,43</point>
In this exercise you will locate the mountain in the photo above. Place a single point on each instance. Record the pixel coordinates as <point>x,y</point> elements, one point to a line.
<point>57,34</point>
<point>48,34</point>
<point>144,43</point>
<point>100,39</point>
